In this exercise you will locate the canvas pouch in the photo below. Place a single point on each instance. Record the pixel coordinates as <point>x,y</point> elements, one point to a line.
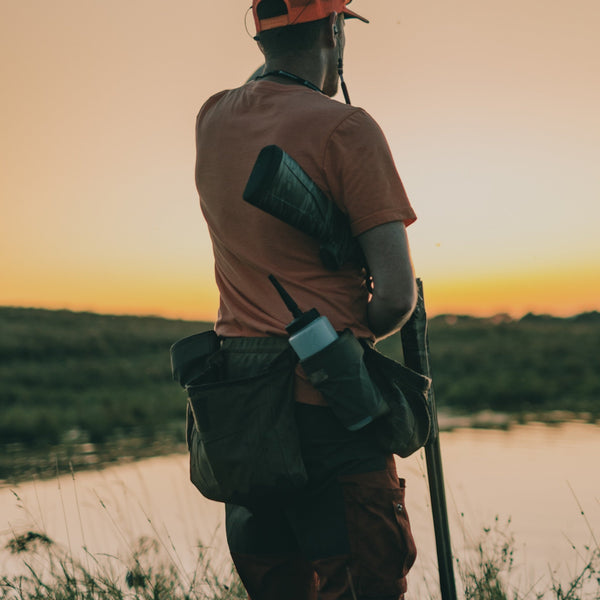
<point>408,425</point>
<point>365,388</point>
<point>241,433</point>
<point>339,372</point>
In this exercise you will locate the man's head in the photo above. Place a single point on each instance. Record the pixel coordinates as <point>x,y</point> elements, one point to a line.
<point>272,14</point>
<point>289,31</point>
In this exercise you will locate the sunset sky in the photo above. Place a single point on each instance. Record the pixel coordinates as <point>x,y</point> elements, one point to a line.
<point>491,111</point>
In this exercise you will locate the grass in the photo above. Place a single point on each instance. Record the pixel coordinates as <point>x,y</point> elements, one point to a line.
<point>145,575</point>
<point>488,573</point>
<point>483,574</point>
<point>86,377</point>
<point>531,365</point>
<point>80,386</point>
<point>80,378</point>
<point>486,569</point>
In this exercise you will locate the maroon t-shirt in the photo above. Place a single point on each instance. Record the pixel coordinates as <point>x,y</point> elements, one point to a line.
<point>345,153</point>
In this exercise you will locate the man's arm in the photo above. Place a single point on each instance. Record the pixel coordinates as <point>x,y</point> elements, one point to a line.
<point>394,292</point>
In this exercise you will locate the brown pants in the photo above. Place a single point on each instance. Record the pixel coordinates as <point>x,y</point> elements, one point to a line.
<point>346,536</point>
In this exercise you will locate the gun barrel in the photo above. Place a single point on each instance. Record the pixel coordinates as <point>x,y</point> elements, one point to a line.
<point>415,345</point>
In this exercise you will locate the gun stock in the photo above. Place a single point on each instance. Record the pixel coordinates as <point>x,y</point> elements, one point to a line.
<point>281,188</point>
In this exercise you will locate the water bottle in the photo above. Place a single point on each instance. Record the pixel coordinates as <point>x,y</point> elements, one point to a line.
<point>340,374</point>
<point>310,333</point>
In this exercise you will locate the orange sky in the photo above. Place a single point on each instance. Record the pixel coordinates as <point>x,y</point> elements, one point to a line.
<point>491,112</point>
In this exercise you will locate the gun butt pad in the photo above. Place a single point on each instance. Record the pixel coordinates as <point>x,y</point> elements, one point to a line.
<point>265,168</point>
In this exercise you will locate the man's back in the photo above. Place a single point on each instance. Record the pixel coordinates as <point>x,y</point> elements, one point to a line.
<point>342,150</point>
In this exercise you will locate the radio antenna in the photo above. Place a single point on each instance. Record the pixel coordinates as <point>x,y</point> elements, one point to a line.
<point>289,301</point>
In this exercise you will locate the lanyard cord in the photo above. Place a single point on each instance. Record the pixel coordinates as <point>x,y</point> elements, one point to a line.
<point>287,75</point>
<point>342,82</point>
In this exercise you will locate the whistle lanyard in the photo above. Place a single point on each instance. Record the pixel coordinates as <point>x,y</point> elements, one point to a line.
<point>308,84</point>
<point>286,75</point>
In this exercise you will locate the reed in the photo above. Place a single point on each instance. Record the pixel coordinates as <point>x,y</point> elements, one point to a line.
<point>485,572</point>
<point>147,574</point>
<point>488,570</point>
<point>150,568</point>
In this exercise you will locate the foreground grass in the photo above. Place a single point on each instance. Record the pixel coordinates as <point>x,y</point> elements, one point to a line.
<point>145,575</point>
<point>485,574</point>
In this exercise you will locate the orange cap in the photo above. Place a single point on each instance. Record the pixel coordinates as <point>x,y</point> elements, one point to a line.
<point>303,11</point>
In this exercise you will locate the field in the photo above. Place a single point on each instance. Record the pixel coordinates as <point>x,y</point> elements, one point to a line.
<point>82,389</point>
<point>70,379</point>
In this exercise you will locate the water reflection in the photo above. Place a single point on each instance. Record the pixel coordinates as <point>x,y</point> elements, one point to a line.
<point>536,476</point>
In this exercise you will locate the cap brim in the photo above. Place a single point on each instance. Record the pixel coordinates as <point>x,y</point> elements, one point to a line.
<point>350,14</point>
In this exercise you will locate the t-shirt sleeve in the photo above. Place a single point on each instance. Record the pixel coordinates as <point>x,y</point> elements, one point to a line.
<point>362,176</point>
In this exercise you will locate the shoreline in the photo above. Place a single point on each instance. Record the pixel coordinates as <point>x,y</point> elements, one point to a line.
<point>488,419</point>
<point>19,464</point>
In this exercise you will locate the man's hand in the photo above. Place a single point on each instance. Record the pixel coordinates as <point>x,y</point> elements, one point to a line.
<point>394,291</point>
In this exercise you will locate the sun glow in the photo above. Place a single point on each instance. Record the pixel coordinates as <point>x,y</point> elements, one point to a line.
<point>499,155</point>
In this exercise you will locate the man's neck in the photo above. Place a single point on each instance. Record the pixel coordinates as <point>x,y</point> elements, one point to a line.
<point>313,71</point>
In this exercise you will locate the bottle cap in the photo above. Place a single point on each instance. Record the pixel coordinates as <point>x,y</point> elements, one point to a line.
<point>302,321</point>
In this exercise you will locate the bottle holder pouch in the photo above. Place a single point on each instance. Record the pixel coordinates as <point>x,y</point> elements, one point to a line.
<point>364,387</point>
<point>244,444</point>
<point>339,372</point>
<point>407,426</point>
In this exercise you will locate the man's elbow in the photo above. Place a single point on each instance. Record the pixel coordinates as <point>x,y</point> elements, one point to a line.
<point>405,298</point>
<point>413,296</point>
<point>400,305</point>
<point>404,307</point>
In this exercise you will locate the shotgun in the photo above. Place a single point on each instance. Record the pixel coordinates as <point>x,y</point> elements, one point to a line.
<point>415,347</point>
<point>280,187</point>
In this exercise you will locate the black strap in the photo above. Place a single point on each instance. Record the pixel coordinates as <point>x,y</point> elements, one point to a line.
<point>286,75</point>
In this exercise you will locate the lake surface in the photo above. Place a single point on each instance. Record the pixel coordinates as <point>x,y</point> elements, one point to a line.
<point>538,477</point>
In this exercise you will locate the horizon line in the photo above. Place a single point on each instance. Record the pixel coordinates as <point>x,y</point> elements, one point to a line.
<point>497,317</point>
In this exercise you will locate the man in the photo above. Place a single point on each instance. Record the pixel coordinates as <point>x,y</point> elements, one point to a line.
<point>346,535</point>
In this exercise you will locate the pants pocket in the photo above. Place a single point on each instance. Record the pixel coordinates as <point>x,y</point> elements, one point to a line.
<point>407,542</point>
<point>381,542</point>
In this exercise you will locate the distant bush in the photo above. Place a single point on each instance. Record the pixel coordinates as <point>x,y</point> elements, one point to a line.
<point>535,363</point>
<point>106,376</point>
<point>101,375</point>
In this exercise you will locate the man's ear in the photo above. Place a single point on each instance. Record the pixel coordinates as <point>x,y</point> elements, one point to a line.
<point>332,30</point>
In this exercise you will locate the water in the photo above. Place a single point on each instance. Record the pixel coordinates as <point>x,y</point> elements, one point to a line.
<point>539,477</point>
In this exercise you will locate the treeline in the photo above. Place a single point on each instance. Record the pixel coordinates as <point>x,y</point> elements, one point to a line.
<point>65,374</point>
<point>87,375</point>
<point>534,364</point>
